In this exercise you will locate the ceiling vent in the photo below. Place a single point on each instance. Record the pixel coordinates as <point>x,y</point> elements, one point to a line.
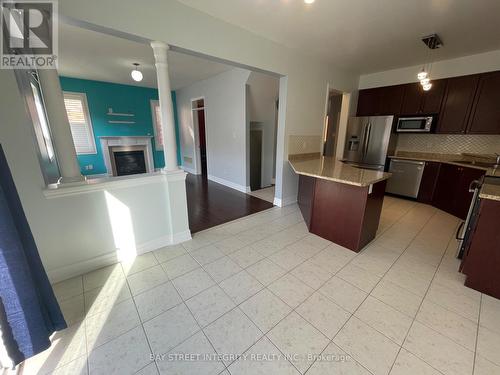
<point>432,41</point>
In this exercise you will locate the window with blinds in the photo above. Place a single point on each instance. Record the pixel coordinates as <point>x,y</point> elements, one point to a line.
<point>155,111</point>
<point>79,120</point>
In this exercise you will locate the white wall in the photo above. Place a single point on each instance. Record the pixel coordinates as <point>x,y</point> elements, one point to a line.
<point>262,94</point>
<point>181,26</point>
<point>304,83</point>
<point>225,120</point>
<point>483,62</point>
<point>81,232</point>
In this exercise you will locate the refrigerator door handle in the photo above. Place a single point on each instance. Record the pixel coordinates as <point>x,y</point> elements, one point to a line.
<point>366,141</point>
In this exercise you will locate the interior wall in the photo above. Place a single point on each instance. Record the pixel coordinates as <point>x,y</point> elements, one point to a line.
<point>186,28</point>
<point>225,123</point>
<point>263,91</point>
<point>78,233</point>
<point>349,107</point>
<point>479,63</point>
<point>332,126</point>
<point>121,98</point>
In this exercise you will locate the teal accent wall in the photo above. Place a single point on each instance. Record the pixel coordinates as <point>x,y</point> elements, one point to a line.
<point>125,99</point>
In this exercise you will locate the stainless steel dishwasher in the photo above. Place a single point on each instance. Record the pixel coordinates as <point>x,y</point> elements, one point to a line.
<point>406,177</point>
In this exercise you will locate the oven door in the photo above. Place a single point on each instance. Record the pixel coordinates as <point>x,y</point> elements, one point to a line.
<point>414,124</point>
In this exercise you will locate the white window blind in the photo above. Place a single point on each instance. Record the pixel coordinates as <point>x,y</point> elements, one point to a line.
<point>79,120</point>
<point>156,112</point>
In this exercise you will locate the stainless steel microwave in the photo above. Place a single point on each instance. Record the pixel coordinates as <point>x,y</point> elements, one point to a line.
<point>420,124</point>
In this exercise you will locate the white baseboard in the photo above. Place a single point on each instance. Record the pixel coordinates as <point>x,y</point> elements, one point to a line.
<point>232,185</point>
<point>284,202</point>
<point>187,169</point>
<point>66,272</point>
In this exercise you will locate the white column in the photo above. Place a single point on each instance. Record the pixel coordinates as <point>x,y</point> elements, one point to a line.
<point>59,126</point>
<point>166,108</point>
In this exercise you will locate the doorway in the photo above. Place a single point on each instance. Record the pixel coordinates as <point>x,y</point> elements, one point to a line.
<point>255,159</point>
<point>334,107</point>
<point>198,108</point>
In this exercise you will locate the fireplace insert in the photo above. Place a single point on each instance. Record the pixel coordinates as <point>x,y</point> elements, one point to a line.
<point>129,162</point>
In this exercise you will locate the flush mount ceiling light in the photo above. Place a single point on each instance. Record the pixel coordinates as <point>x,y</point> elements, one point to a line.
<point>433,42</point>
<point>309,1</point>
<point>136,73</point>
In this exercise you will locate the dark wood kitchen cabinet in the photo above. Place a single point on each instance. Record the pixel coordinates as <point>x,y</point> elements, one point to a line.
<point>485,117</point>
<point>452,189</point>
<point>416,101</point>
<point>481,261</point>
<point>429,182</point>
<point>463,105</point>
<point>390,100</point>
<point>457,104</point>
<point>346,214</point>
<point>444,195</point>
<point>368,102</point>
<point>380,101</point>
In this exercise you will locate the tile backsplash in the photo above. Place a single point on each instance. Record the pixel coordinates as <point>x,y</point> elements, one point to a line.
<point>449,143</point>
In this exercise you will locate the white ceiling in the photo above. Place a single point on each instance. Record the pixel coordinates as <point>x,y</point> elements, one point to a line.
<point>92,55</point>
<point>367,35</point>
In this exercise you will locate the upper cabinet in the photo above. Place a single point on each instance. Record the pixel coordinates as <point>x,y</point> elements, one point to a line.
<point>485,117</point>
<point>457,104</point>
<point>391,98</point>
<point>467,104</point>
<point>380,101</point>
<point>368,102</point>
<point>416,101</point>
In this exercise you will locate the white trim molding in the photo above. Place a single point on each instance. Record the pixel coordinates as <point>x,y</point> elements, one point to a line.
<point>92,185</point>
<point>189,170</point>
<point>232,185</point>
<point>88,265</point>
<point>284,202</point>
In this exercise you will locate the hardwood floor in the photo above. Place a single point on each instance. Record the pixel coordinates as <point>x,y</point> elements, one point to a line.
<point>211,204</point>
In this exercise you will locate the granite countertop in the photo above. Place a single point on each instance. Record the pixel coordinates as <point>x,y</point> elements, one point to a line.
<point>488,191</point>
<point>328,168</point>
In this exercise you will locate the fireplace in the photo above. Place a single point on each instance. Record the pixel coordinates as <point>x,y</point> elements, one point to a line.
<point>128,160</point>
<point>127,155</point>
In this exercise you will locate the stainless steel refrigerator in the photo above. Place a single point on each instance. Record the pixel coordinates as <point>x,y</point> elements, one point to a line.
<point>368,140</point>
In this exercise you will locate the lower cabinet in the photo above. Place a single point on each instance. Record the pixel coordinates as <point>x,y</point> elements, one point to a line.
<point>429,182</point>
<point>452,189</point>
<point>481,261</point>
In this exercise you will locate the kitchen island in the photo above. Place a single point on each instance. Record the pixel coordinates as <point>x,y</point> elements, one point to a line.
<point>339,202</point>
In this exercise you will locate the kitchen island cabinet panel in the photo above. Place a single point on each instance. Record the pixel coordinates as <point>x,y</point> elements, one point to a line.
<point>345,214</point>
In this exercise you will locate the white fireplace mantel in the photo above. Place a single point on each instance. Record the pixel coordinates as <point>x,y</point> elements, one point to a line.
<point>109,141</point>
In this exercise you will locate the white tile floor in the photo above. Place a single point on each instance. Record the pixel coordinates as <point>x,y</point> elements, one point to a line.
<point>289,301</point>
<point>266,194</point>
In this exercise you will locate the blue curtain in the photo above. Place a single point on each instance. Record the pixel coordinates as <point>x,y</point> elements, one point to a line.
<point>29,312</point>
